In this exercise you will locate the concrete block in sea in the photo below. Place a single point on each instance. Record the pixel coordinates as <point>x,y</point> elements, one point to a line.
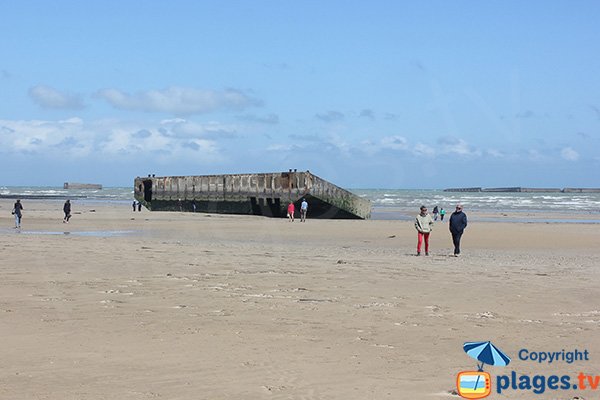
<point>266,194</point>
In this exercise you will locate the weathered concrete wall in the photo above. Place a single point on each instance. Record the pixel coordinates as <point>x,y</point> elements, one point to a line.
<point>263,194</point>
<point>581,190</point>
<point>71,185</point>
<point>469,189</point>
<point>516,189</point>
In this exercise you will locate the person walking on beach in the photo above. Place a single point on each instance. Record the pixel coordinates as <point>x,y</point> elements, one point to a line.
<point>17,212</point>
<point>424,226</point>
<point>435,213</point>
<point>458,223</point>
<point>139,205</point>
<point>67,210</point>
<point>303,210</point>
<point>442,213</point>
<point>133,205</point>
<point>290,211</point>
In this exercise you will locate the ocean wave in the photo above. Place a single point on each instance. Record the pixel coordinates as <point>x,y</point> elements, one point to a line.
<point>382,198</point>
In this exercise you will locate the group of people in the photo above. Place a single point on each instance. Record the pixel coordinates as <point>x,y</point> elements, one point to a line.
<point>441,212</point>
<point>291,210</point>
<point>17,211</point>
<point>424,225</point>
<point>138,205</point>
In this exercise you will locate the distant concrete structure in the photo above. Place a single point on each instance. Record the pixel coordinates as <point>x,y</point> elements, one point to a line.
<point>522,190</point>
<point>265,194</point>
<point>469,189</point>
<point>71,185</point>
<point>518,189</point>
<point>581,190</point>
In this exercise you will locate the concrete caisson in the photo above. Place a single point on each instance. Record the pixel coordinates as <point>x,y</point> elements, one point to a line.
<point>265,194</point>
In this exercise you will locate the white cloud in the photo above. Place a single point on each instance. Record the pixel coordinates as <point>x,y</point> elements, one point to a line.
<point>494,153</point>
<point>453,145</point>
<point>421,149</point>
<point>47,97</point>
<point>394,143</point>
<point>270,119</point>
<point>336,142</point>
<point>534,155</point>
<point>205,147</point>
<point>369,147</point>
<point>188,129</point>
<point>569,154</point>
<point>282,147</point>
<point>179,100</point>
<point>106,139</point>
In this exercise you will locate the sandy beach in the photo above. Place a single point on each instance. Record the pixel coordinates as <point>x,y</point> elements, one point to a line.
<point>148,305</point>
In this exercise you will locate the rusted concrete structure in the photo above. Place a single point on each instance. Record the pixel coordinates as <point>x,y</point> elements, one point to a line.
<point>581,190</point>
<point>265,194</point>
<point>70,185</point>
<point>519,189</point>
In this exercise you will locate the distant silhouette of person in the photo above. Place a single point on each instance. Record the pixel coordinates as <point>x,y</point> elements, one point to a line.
<point>139,206</point>
<point>303,210</point>
<point>457,225</point>
<point>133,205</point>
<point>194,206</point>
<point>290,211</point>
<point>424,226</point>
<point>442,213</point>
<point>67,211</point>
<point>17,212</point>
<point>435,213</point>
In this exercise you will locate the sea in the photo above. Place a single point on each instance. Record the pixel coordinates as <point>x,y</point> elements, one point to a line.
<point>497,206</point>
<point>396,204</point>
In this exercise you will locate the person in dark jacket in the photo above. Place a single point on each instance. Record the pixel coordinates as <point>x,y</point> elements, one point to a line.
<point>458,223</point>
<point>67,210</point>
<point>18,207</point>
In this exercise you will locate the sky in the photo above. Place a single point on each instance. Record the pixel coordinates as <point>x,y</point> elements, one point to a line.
<point>365,94</point>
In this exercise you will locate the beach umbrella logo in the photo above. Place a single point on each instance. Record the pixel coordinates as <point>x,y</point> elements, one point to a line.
<point>478,384</point>
<point>487,353</point>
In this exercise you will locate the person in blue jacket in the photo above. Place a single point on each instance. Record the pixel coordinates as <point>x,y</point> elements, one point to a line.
<point>458,223</point>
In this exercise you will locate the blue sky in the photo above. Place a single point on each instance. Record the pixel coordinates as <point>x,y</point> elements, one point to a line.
<point>377,94</point>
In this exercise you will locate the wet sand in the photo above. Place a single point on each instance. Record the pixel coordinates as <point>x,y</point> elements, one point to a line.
<point>193,306</point>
